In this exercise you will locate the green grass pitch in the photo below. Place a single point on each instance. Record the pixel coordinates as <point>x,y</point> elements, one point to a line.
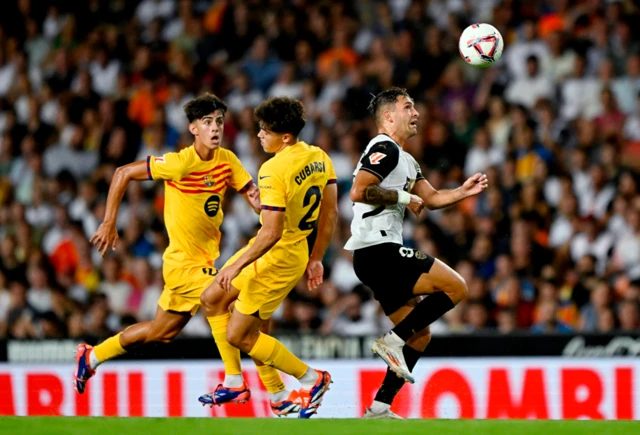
<point>198,426</point>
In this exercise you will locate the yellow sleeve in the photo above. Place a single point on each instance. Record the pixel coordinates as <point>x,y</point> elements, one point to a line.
<point>240,178</point>
<point>332,178</point>
<point>273,191</point>
<point>170,166</point>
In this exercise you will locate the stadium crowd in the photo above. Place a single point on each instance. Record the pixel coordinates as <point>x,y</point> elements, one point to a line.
<point>552,246</point>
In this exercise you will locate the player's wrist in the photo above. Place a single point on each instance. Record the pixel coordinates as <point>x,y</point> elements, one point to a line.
<point>404,198</point>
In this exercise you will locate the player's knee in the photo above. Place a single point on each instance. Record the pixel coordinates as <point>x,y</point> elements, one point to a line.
<point>457,289</point>
<point>207,298</point>
<point>460,290</point>
<point>212,298</point>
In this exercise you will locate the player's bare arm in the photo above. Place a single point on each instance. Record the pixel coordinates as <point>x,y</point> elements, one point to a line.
<point>366,189</point>
<point>326,225</point>
<point>252,196</point>
<point>268,236</point>
<point>435,199</point>
<point>107,235</point>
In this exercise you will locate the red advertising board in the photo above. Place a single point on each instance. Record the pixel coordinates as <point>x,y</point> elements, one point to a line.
<point>538,388</point>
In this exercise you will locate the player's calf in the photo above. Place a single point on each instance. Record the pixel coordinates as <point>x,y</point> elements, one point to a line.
<point>241,338</point>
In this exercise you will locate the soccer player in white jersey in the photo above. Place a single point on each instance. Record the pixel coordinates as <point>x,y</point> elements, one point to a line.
<point>387,181</point>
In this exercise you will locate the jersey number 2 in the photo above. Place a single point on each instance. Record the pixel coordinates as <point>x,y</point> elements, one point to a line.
<point>313,192</point>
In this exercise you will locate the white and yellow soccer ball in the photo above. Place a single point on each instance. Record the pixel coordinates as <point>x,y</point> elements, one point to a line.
<point>481,45</point>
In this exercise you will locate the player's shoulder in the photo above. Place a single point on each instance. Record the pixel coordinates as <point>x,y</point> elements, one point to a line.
<point>385,145</point>
<point>274,167</point>
<point>226,155</point>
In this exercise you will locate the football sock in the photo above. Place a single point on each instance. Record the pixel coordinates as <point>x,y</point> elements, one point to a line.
<point>108,349</point>
<point>392,384</point>
<point>271,352</point>
<point>233,381</point>
<point>379,407</point>
<point>309,379</point>
<point>229,354</point>
<point>271,380</point>
<point>423,315</point>
<point>279,396</point>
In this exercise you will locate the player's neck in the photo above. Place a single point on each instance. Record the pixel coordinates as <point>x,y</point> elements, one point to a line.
<point>285,145</point>
<point>396,138</point>
<point>203,152</point>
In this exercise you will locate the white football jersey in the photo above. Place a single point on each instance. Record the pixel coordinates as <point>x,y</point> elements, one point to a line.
<point>397,170</point>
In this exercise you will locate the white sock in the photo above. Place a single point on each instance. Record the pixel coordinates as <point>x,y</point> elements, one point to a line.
<point>93,360</point>
<point>308,380</point>
<point>279,396</point>
<point>393,339</point>
<point>379,407</point>
<point>233,381</point>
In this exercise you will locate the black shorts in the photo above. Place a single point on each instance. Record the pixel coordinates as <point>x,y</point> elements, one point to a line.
<point>391,271</point>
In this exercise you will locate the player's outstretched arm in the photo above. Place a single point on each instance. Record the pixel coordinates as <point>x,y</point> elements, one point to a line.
<point>366,189</point>
<point>326,225</point>
<point>107,235</point>
<point>435,199</point>
<point>269,234</point>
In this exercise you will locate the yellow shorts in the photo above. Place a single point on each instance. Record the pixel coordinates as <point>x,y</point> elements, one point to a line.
<point>263,285</point>
<point>183,287</point>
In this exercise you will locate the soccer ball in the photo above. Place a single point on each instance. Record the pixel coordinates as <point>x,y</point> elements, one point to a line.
<point>481,45</point>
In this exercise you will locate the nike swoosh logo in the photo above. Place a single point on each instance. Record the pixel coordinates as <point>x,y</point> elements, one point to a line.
<point>264,176</point>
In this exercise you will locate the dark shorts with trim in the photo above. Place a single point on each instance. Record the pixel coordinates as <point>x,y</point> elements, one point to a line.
<point>391,271</point>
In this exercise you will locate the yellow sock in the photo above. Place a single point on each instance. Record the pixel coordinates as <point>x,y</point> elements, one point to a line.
<point>273,353</point>
<point>229,354</point>
<point>271,379</point>
<point>108,349</point>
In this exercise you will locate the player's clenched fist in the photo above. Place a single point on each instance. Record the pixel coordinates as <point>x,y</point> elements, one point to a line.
<point>105,236</point>
<point>416,205</point>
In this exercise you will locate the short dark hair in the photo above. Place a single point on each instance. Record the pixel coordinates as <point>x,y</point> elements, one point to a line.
<point>281,115</point>
<point>384,98</point>
<point>204,105</point>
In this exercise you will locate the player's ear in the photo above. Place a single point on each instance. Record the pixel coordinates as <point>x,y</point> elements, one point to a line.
<point>193,128</point>
<point>386,115</point>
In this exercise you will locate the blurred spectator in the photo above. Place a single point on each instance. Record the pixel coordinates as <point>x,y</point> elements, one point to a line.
<point>552,245</point>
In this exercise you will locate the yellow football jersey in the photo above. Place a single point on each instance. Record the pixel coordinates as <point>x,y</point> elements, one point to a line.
<point>194,190</point>
<point>293,181</point>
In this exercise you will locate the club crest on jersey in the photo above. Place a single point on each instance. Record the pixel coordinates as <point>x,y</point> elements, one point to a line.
<point>376,157</point>
<point>208,181</point>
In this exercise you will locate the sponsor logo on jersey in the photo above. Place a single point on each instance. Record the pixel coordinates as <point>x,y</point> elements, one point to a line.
<point>376,157</point>
<point>212,205</point>
<point>159,159</point>
<point>421,255</point>
<point>208,181</point>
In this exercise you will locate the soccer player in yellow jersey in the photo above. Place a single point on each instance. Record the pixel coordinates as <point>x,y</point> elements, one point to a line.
<point>196,179</point>
<point>297,189</point>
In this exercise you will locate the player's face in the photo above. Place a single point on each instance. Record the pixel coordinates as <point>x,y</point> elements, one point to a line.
<point>406,116</point>
<point>272,142</point>
<point>209,129</point>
